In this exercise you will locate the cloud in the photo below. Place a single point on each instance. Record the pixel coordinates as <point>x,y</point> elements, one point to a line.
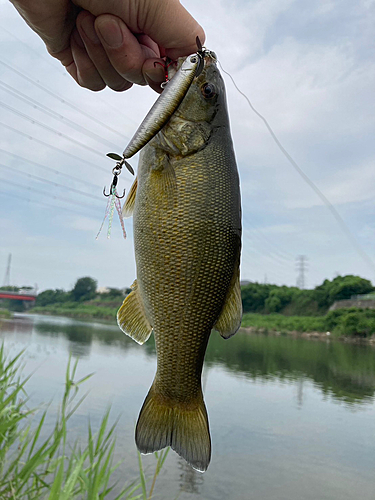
<point>308,67</point>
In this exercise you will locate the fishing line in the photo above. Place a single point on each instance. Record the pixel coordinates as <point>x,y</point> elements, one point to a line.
<point>325,200</point>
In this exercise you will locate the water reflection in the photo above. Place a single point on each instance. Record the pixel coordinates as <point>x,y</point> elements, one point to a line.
<point>81,335</point>
<point>190,480</point>
<point>19,325</point>
<point>345,372</point>
<point>274,435</point>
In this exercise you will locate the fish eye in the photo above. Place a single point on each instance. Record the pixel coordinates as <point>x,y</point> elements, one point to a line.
<point>208,90</point>
<point>193,59</point>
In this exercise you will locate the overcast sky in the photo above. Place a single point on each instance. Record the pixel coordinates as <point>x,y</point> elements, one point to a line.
<point>308,67</point>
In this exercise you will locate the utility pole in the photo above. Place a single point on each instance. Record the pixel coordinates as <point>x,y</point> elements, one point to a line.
<point>301,263</point>
<point>6,281</point>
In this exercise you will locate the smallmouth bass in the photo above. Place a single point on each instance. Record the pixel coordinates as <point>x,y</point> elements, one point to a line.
<point>187,236</point>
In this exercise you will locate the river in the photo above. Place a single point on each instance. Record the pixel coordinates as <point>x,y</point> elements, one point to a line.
<point>290,419</point>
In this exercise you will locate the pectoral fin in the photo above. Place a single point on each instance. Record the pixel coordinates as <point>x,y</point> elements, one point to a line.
<point>128,208</point>
<point>230,317</point>
<point>131,317</point>
<point>165,177</point>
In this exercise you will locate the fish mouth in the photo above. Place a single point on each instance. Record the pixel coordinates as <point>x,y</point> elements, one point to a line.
<point>173,66</point>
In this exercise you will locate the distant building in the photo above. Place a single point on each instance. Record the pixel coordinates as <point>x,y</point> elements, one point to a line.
<point>366,301</point>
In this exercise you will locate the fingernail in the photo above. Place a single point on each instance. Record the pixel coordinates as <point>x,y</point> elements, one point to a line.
<point>154,74</point>
<point>88,28</point>
<point>110,31</point>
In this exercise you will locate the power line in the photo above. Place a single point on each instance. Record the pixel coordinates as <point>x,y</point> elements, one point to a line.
<point>50,169</point>
<point>46,193</point>
<point>64,101</point>
<point>92,165</point>
<point>47,205</point>
<point>50,129</point>
<point>47,181</point>
<point>45,109</point>
<point>56,67</point>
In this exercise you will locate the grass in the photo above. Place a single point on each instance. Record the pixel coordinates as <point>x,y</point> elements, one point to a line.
<point>32,467</point>
<point>282,323</point>
<point>352,322</point>
<point>78,310</point>
<point>5,314</point>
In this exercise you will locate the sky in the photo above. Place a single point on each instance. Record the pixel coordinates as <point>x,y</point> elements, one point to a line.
<point>307,67</point>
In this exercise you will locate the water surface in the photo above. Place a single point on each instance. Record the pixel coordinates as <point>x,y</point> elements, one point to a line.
<point>290,419</point>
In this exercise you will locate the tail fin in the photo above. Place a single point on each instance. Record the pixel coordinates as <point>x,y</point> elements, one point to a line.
<point>182,427</point>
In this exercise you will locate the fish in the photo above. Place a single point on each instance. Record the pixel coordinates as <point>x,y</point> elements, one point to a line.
<point>186,209</point>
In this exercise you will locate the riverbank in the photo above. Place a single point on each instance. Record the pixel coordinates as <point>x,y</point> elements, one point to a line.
<point>321,336</point>
<point>354,325</point>
<point>79,311</point>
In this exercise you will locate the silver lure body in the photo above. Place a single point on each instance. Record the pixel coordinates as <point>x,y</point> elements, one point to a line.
<point>164,106</point>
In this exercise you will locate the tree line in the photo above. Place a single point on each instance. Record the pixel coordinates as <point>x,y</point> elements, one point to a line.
<point>292,301</point>
<point>84,289</point>
<point>256,297</point>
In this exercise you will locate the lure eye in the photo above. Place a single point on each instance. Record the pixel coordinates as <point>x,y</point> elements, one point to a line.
<point>208,90</point>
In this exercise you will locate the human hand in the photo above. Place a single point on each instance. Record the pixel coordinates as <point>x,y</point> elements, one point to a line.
<point>113,42</point>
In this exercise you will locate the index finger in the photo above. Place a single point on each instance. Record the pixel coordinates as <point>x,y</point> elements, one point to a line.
<point>123,49</point>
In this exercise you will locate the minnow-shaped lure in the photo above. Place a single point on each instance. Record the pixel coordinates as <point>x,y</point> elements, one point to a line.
<point>167,102</point>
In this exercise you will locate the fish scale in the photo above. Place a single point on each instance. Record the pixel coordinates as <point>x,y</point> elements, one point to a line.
<point>187,237</point>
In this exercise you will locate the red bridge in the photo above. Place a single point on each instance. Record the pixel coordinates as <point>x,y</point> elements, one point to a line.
<point>29,295</point>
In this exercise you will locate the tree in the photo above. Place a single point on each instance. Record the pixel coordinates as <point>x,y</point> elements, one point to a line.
<point>115,293</point>
<point>254,296</point>
<point>280,297</point>
<point>52,297</point>
<point>45,298</point>
<point>84,289</point>
<point>346,286</point>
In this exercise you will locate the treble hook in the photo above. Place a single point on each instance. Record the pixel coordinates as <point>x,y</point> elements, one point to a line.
<point>201,53</point>
<point>112,189</point>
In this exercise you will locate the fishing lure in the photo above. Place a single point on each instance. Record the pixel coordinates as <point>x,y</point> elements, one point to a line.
<point>113,196</point>
<point>168,101</point>
<point>174,91</point>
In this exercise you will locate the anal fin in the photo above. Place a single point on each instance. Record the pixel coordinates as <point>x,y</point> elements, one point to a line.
<point>131,317</point>
<point>230,317</point>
